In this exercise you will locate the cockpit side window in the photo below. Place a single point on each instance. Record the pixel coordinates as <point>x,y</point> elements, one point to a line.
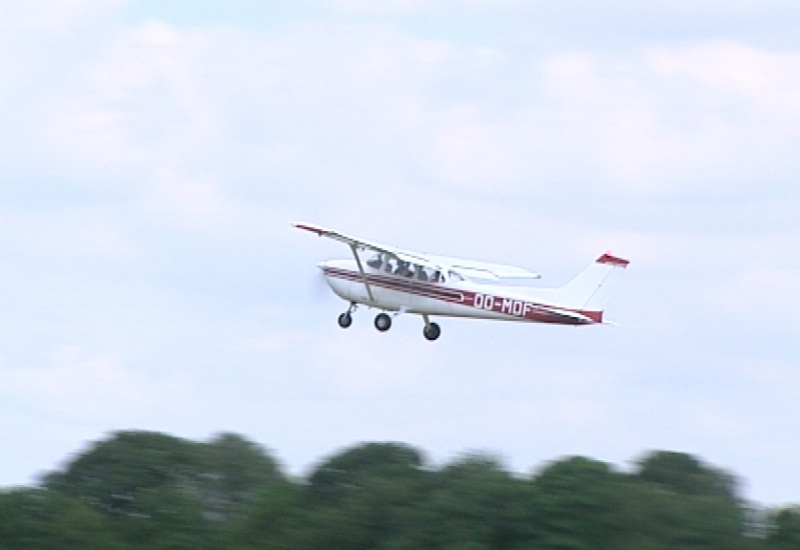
<point>376,261</point>
<point>455,276</point>
<point>403,269</point>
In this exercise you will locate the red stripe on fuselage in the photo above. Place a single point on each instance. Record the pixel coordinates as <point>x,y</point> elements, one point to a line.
<point>427,290</point>
<point>532,311</point>
<point>514,308</point>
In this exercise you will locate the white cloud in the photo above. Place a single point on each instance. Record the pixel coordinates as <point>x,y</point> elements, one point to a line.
<point>414,7</point>
<point>191,202</point>
<point>728,68</point>
<point>351,105</point>
<point>65,234</point>
<point>675,120</point>
<point>767,295</point>
<point>84,386</point>
<point>355,364</point>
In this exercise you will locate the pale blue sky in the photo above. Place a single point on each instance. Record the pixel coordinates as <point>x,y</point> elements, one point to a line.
<point>154,154</point>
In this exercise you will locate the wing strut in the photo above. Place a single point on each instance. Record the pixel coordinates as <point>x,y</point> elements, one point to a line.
<point>361,270</point>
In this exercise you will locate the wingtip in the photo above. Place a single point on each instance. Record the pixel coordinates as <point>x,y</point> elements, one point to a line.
<point>610,259</point>
<point>309,227</point>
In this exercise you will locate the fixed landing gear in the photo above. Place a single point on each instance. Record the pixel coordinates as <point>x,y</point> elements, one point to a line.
<point>383,322</point>
<point>431,331</point>
<point>346,318</point>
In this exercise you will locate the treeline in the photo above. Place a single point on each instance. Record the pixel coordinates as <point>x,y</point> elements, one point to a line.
<point>150,490</point>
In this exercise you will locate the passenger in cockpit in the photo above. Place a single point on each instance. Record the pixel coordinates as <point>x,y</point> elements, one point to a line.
<point>402,269</point>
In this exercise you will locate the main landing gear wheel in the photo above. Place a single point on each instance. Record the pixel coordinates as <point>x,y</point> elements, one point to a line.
<point>345,320</point>
<point>383,322</point>
<point>431,331</point>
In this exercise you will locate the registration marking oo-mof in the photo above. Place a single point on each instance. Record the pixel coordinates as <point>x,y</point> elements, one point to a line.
<point>500,304</point>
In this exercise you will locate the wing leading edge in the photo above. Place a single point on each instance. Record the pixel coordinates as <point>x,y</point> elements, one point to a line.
<point>356,243</point>
<point>469,268</point>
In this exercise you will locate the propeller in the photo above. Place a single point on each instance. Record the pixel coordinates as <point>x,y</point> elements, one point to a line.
<point>321,291</point>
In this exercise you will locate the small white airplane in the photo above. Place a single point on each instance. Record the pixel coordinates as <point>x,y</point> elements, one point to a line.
<point>398,281</point>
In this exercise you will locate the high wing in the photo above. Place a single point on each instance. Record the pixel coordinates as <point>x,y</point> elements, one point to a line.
<point>468,268</point>
<point>486,270</point>
<point>357,244</point>
<point>360,244</point>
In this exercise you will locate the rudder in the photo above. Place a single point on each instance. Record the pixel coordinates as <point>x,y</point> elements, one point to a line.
<point>590,290</point>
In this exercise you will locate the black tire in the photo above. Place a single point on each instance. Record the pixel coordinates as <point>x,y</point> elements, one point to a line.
<point>383,322</point>
<point>345,320</point>
<point>432,331</point>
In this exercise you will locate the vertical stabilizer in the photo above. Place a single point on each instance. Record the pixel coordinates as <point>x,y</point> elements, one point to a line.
<point>590,290</point>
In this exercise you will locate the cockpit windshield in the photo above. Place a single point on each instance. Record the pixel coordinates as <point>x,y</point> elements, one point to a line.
<point>455,276</point>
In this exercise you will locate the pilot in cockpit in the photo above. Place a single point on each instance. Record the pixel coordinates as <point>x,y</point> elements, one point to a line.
<point>402,269</point>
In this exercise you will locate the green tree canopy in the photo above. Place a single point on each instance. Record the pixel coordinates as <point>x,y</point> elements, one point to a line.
<point>346,472</point>
<point>474,503</point>
<point>364,497</point>
<point>148,490</point>
<point>113,473</point>
<point>784,529</point>
<point>686,475</point>
<point>166,492</point>
<point>40,519</point>
<point>575,504</point>
<point>685,503</point>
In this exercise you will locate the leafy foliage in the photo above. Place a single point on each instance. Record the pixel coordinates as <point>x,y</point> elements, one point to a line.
<point>784,529</point>
<point>576,504</point>
<point>35,518</point>
<point>150,490</point>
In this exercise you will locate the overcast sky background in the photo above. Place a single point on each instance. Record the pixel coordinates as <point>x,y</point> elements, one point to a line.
<point>153,155</point>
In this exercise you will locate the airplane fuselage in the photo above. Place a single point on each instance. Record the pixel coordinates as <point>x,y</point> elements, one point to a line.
<point>451,296</point>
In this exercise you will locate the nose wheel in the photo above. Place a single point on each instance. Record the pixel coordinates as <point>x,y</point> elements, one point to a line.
<point>346,318</point>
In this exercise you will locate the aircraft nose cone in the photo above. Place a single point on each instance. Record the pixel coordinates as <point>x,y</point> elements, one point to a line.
<point>336,264</point>
<point>326,264</point>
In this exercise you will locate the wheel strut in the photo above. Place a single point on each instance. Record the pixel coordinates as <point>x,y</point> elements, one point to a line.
<point>431,330</point>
